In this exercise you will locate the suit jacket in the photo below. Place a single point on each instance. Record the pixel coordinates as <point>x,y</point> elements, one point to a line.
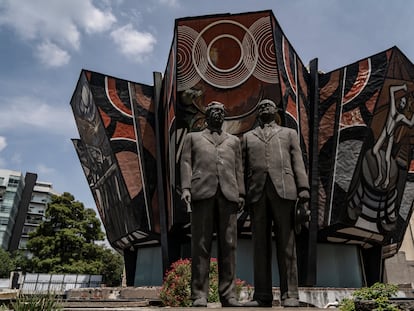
<point>207,162</point>
<point>278,155</point>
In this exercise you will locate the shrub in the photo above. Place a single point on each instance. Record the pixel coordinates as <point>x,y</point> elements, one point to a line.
<point>379,293</point>
<point>37,302</point>
<point>176,290</point>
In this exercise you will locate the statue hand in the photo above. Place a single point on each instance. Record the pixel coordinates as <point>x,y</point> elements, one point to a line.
<point>303,196</point>
<point>186,197</point>
<point>241,204</point>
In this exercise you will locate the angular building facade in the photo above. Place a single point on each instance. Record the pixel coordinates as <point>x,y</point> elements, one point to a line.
<point>354,125</point>
<point>15,195</point>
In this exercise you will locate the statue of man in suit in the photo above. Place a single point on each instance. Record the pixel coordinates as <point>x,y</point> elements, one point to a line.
<point>275,179</point>
<point>212,182</point>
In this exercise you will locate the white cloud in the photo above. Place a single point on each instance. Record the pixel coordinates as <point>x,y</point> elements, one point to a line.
<point>171,3</point>
<point>95,20</point>
<point>16,159</point>
<point>51,55</point>
<point>60,22</point>
<point>44,170</point>
<point>133,44</point>
<point>23,112</point>
<point>3,143</point>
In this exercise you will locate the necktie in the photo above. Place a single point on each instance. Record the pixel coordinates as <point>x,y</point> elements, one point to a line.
<point>267,130</point>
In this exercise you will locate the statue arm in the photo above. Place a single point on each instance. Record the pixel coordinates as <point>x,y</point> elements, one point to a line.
<point>302,182</point>
<point>239,174</point>
<point>186,170</point>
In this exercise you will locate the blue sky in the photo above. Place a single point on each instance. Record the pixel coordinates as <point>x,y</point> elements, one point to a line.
<point>44,44</point>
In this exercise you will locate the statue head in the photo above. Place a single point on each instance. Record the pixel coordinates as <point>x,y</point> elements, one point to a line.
<point>215,115</point>
<point>266,110</point>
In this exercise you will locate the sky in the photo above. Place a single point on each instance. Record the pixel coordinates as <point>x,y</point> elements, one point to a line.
<point>44,44</point>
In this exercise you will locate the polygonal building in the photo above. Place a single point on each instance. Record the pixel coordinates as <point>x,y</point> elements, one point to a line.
<point>355,126</point>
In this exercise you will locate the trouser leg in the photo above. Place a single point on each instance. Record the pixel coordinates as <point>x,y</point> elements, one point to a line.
<point>226,241</point>
<point>286,248</point>
<point>262,247</point>
<point>202,228</point>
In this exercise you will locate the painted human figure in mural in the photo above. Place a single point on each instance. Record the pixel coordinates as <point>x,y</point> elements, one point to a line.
<point>396,116</point>
<point>212,182</point>
<point>275,178</point>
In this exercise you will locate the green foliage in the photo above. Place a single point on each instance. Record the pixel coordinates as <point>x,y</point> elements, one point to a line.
<point>37,303</point>
<point>11,262</point>
<point>7,264</point>
<point>65,242</point>
<point>379,293</point>
<point>176,290</point>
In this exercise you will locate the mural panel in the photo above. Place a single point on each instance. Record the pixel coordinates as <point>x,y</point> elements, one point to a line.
<point>365,160</point>
<point>107,112</point>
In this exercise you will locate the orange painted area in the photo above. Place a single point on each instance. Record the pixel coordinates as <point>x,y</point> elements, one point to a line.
<point>290,74</point>
<point>123,130</point>
<point>360,82</point>
<point>147,136</point>
<point>291,108</point>
<point>129,164</point>
<point>88,75</point>
<point>171,115</point>
<point>143,100</point>
<point>113,96</point>
<point>304,125</point>
<point>411,169</point>
<point>352,117</point>
<point>302,82</point>
<point>105,118</point>
<point>326,127</point>
<point>329,89</point>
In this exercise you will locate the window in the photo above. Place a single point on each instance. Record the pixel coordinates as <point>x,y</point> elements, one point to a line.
<point>13,182</point>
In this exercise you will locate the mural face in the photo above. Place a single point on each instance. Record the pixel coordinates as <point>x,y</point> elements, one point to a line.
<point>113,116</point>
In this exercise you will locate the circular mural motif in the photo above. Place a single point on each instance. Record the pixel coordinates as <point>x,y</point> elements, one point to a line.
<point>206,60</point>
<point>205,54</point>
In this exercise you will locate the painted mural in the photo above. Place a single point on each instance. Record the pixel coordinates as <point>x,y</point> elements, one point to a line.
<point>365,150</point>
<point>117,152</point>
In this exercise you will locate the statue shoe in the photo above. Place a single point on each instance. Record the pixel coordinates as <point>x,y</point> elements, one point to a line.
<point>200,302</point>
<point>290,302</point>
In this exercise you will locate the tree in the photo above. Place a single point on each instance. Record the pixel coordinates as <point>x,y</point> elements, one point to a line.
<point>6,265</point>
<point>65,242</point>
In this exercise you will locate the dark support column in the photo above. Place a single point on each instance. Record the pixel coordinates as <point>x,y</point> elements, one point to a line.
<point>373,263</point>
<point>160,176</point>
<point>29,183</point>
<point>311,273</point>
<point>130,260</point>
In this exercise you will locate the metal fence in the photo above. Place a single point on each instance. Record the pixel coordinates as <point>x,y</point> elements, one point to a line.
<point>57,283</point>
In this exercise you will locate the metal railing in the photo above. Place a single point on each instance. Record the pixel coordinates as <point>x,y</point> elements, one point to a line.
<point>57,283</point>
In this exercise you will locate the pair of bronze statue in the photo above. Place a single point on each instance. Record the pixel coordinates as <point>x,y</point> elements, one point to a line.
<point>215,168</point>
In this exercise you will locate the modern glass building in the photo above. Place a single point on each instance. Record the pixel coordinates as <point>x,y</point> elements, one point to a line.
<point>11,189</point>
<point>23,202</point>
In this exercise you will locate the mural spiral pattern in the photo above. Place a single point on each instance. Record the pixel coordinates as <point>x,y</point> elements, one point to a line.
<point>188,76</point>
<point>266,69</point>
